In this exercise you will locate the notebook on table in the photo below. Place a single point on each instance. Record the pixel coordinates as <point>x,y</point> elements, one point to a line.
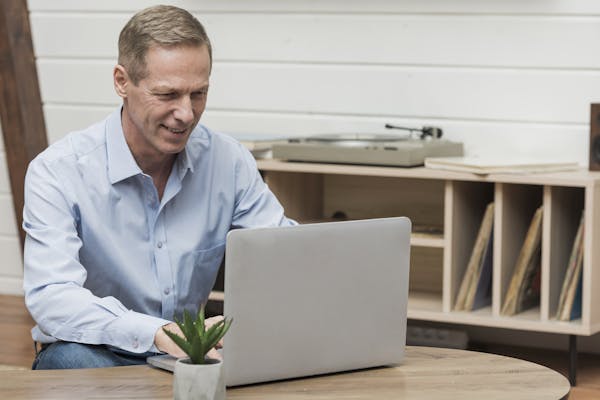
<point>314,299</point>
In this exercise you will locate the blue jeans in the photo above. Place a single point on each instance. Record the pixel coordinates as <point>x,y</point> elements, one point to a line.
<point>68,355</point>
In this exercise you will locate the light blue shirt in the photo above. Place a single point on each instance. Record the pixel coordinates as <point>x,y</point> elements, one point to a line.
<point>106,262</point>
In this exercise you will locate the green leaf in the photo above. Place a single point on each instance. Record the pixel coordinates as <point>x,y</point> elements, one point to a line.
<point>188,326</point>
<point>178,323</point>
<point>197,353</point>
<point>216,332</point>
<point>179,341</point>
<point>200,322</point>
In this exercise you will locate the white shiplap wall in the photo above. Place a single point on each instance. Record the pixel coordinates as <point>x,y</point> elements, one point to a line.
<point>11,264</point>
<point>504,77</point>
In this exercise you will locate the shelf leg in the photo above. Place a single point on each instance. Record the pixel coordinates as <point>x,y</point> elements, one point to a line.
<point>573,360</point>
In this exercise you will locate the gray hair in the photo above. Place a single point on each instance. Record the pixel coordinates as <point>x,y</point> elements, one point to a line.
<point>158,25</point>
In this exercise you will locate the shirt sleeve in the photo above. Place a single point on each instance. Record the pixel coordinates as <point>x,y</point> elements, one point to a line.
<point>54,277</point>
<point>255,205</point>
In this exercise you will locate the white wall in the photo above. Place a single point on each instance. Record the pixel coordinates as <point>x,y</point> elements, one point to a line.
<point>503,76</point>
<point>11,262</point>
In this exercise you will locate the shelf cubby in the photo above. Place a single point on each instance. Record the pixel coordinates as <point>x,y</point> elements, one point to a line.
<point>563,207</point>
<point>424,305</point>
<point>426,270</point>
<point>515,207</point>
<point>360,197</point>
<point>465,207</point>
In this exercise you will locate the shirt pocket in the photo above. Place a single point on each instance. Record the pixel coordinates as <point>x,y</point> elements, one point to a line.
<point>197,274</point>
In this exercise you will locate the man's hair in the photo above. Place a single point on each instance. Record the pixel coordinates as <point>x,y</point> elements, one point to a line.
<point>157,26</point>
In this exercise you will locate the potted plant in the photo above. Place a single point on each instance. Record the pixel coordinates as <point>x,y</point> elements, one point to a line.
<point>198,377</point>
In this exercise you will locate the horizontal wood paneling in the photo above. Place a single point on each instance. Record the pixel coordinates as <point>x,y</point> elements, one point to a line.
<point>407,92</point>
<point>347,6</point>
<point>482,94</point>
<point>77,82</point>
<point>11,266</point>
<point>12,263</point>
<point>515,77</point>
<point>482,138</point>
<point>62,119</point>
<point>53,34</point>
<point>510,41</point>
<point>12,286</point>
<point>4,180</point>
<point>8,224</point>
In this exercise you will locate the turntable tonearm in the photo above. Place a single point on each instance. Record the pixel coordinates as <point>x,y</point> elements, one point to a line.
<point>376,149</point>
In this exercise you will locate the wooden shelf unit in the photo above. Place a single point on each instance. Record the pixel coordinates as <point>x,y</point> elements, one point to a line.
<point>449,206</point>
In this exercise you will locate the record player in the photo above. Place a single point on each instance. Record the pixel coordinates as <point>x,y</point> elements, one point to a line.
<point>370,149</point>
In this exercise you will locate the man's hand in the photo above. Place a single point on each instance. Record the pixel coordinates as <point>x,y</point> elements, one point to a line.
<point>166,345</point>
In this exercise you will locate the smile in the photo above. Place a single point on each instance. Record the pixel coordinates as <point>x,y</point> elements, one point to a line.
<point>176,131</point>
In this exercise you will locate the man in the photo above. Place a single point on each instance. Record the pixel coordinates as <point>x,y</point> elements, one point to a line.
<point>126,220</point>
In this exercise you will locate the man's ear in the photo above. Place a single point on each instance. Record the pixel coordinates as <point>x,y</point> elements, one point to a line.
<point>121,80</point>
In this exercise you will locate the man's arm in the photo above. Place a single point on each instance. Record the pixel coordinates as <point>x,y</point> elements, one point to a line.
<point>54,276</point>
<point>255,204</point>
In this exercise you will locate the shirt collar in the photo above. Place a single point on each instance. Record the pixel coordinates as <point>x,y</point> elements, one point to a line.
<point>121,164</point>
<point>184,161</point>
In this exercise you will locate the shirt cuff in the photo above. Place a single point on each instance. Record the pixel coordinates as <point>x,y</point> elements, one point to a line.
<point>135,332</point>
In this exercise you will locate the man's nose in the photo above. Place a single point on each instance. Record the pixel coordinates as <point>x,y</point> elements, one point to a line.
<point>184,111</point>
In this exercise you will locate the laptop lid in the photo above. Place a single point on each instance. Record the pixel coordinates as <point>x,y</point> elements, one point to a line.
<point>316,298</point>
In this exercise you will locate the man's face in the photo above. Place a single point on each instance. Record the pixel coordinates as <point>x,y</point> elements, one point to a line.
<point>161,111</point>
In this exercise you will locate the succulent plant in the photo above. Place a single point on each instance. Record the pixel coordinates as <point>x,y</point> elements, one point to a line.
<point>198,340</point>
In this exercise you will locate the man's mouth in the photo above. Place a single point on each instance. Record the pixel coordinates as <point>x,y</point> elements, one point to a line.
<point>175,131</point>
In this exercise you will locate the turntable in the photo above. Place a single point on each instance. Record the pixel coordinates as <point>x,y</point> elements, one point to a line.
<point>370,149</point>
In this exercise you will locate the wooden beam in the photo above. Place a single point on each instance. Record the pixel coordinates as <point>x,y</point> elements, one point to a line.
<point>21,110</point>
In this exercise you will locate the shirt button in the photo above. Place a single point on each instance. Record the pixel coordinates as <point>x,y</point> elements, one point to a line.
<point>135,343</point>
<point>159,245</point>
<point>167,291</point>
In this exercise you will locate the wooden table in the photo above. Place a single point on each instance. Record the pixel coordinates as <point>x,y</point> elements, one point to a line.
<point>427,373</point>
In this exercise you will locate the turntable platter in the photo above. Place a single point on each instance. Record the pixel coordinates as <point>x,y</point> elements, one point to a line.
<point>353,140</point>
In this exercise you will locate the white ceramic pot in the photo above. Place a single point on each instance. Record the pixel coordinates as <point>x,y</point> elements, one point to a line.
<point>199,381</point>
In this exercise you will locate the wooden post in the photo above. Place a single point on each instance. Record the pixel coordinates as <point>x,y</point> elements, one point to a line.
<point>21,111</point>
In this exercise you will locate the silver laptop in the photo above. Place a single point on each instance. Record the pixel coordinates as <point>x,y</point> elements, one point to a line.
<point>315,299</point>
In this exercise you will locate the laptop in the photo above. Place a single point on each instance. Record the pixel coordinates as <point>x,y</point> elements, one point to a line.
<point>315,299</point>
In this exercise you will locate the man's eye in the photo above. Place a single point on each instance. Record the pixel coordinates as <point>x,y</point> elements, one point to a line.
<point>199,95</point>
<point>169,95</point>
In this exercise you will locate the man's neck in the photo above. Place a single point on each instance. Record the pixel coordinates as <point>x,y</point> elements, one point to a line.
<point>159,171</point>
<point>153,163</point>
